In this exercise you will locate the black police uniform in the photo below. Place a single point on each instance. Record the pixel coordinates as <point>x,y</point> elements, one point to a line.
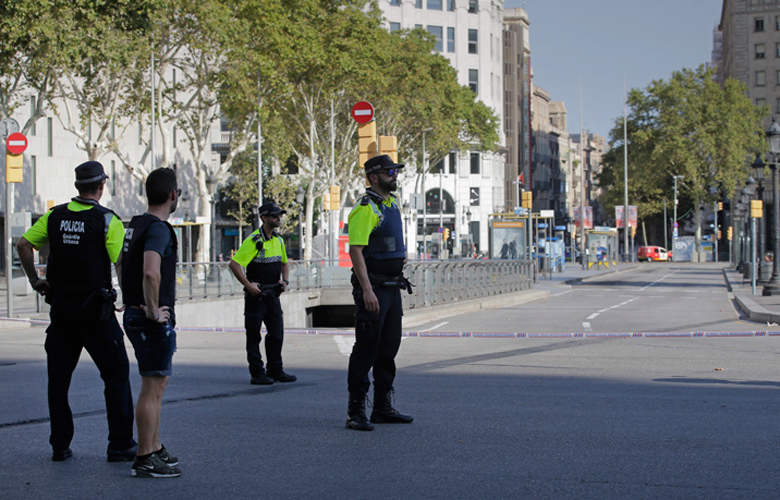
<point>82,316</point>
<point>378,336</point>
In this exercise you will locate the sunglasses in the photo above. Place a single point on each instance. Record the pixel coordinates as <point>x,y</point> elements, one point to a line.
<point>392,172</point>
<point>178,193</point>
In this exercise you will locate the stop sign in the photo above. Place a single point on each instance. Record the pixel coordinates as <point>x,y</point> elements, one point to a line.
<point>363,112</point>
<point>16,143</point>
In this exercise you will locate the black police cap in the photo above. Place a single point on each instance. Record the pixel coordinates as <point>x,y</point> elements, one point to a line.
<point>381,162</point>
<point>90,171</point>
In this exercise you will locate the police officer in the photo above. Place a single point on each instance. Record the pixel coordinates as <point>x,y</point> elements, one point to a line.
<point>376,246</point>
<point>264,256</point>
<point>84,239</point>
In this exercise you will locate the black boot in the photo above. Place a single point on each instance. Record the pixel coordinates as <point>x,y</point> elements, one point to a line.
<point>356,413</point>
<point>384,413</point>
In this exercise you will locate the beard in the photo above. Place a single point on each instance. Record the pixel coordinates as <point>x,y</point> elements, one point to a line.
<point>390,185</point>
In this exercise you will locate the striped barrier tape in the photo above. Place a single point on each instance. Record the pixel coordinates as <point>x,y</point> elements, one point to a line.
<point>485,335</point>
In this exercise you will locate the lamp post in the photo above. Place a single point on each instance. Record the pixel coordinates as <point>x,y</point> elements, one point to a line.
<point>300,195</point>
<point>773,136</point>
<point>425,198</point>
<point>211,185</point>
<point>758,167</point>
<point>674,209</point>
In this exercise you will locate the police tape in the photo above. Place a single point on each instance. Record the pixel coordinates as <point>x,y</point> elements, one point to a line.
<point>479,335</point>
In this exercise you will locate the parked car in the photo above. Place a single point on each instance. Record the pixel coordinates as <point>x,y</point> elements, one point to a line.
<point>653,253</point>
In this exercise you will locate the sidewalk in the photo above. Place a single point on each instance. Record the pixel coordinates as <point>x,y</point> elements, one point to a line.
<point>756,307</point>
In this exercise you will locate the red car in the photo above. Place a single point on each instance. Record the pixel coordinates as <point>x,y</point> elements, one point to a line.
<point>653,253</point>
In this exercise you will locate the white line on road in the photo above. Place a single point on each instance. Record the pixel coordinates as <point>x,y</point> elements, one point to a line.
<point>345,347</point>
<point>435,326</point>
<point>586,326</point>
<point>592,316</point>
<point>657,281</point>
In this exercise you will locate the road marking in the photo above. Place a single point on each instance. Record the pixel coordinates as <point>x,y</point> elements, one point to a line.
<point>592,316</point>
<point>657,281</point>
<point>345,347</point>
<point>586,326</point>
<point>435,326</point>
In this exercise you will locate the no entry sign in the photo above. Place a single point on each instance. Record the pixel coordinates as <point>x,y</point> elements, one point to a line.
<point>363,112</point>
<point>16,143</point>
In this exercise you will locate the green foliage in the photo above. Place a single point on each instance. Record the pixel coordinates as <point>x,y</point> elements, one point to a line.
<point>687,126</point>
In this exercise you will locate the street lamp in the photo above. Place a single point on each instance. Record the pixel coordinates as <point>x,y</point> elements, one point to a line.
<point>211,185</point>
<point>425,197</point>
<point>674,209</point>
<point>773,137</point>
<point>300,195</point>
<point>759,167</point>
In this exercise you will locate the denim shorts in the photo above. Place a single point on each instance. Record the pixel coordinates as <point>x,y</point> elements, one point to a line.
<point>154,343</point>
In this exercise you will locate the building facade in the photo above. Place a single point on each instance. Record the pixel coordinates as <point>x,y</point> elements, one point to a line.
<point>751,48</point>
<point>464,188</point>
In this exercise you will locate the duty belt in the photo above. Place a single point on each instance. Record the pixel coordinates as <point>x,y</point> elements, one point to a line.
<point>386,281</point>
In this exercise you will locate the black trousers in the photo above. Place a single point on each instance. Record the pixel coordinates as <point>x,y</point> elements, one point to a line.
<point>268,311</point>
<point>104,341</point>
<point>377,340</point>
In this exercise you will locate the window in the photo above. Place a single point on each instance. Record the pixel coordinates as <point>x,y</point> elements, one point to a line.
<point>34,174</point>
<point>416,26</point>
<point>450,39</point>
<point>112,180</point>
<point>777,107</point>
<point>395,2</point>
<point>49,132</point>
<point>777,50</point>
<point>760,50</point>
<point>474,80</point>
<point>437,31</point>
<point>777,23</point>
<point>439,167</point>
<point>418,4</point>
<point>434,4</point>
<point>474,163</point>
<point>758,24</point>
<point>777,77</point>
<point>473,36</point>
<point>395,27</point>
<point>760,78</point>
<point>451,5</point>
<point>454,161</point>
<point>473,6</point>
<point>760,102</point>
<point>33,105</point>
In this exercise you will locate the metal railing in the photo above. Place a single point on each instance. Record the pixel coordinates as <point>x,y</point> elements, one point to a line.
<point>436,282</point>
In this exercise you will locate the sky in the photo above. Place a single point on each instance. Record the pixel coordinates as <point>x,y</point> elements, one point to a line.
<point>606,44</point>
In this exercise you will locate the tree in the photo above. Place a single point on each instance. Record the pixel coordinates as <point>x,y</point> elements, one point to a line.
<point>687,126</point>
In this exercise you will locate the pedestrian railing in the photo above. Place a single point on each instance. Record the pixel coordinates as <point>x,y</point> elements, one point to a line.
<point>436,282</point>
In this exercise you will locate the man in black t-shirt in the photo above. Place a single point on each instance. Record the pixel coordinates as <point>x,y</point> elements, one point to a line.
<point>149,292</point>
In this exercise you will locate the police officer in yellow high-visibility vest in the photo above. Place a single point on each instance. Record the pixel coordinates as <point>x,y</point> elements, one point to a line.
<point>378,253</point>
<point>264,256</point>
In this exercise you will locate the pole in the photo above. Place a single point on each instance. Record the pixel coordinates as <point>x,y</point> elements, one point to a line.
<point>9,272</point>
<point>773,287</point>
<point>334,254</point>
<point>259,151</point>
<point>666,223</point>
<point>625,170</point>
<point>753,254</point>
<point>441,213</point>
<point>425,201</point>
<point>582,190</point>
<point>152,140</point>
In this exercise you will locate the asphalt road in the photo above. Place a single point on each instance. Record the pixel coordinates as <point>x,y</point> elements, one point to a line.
<point>605,418</point>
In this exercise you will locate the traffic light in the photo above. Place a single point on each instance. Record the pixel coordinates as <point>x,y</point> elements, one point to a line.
<point>730,233</point>
<point>388,145</point>
<point>527,200</point>
<point>720,234</point>
<point>633,231</point>
<point>366,142</point>
<point>756,209</point>
<point>335,197</point>
<point>326,201</point>
<point>14,168</point>
<point>446,233</point>
<point>720,206</point>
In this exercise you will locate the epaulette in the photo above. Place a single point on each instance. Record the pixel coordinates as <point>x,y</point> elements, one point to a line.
<point>365,199</point>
